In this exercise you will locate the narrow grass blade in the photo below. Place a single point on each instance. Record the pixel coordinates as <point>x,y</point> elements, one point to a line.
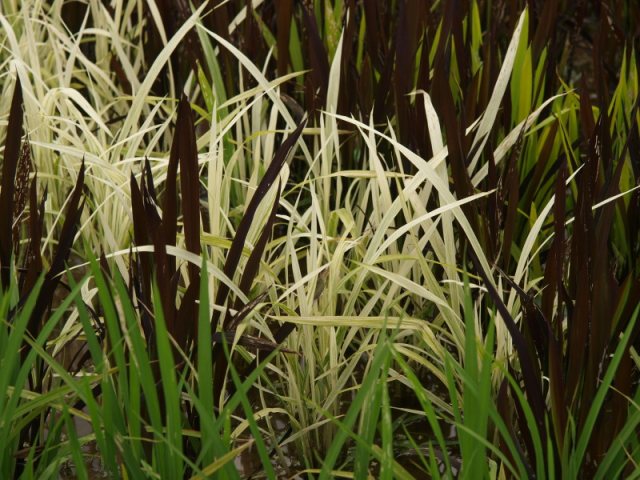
<point>9,165</point>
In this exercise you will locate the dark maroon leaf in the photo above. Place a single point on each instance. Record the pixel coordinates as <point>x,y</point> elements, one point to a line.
<point>253,264</point>
<point>189,183</point>
<point>284,13</point>
<point>532,386</point>
<point>61,254</point>
<point>33,258</point>
<point>9,165</point>
<point>21,194</point>
<point>318,59</point>
<point>233,257</point>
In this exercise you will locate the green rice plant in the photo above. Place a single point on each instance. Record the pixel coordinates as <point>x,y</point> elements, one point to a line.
<point>42,453</point>
<point>371,405</point>
<point>140,430</point>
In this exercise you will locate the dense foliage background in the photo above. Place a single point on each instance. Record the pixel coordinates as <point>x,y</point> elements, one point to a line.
<point>303,239</point>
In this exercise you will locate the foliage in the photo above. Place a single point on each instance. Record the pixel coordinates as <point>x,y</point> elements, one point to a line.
<point>320,238</point>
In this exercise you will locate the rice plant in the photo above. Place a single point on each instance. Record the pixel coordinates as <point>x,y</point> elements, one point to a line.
<point>319,239</point>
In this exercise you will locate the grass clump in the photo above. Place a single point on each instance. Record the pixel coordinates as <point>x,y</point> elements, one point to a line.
<point>318,239</point>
